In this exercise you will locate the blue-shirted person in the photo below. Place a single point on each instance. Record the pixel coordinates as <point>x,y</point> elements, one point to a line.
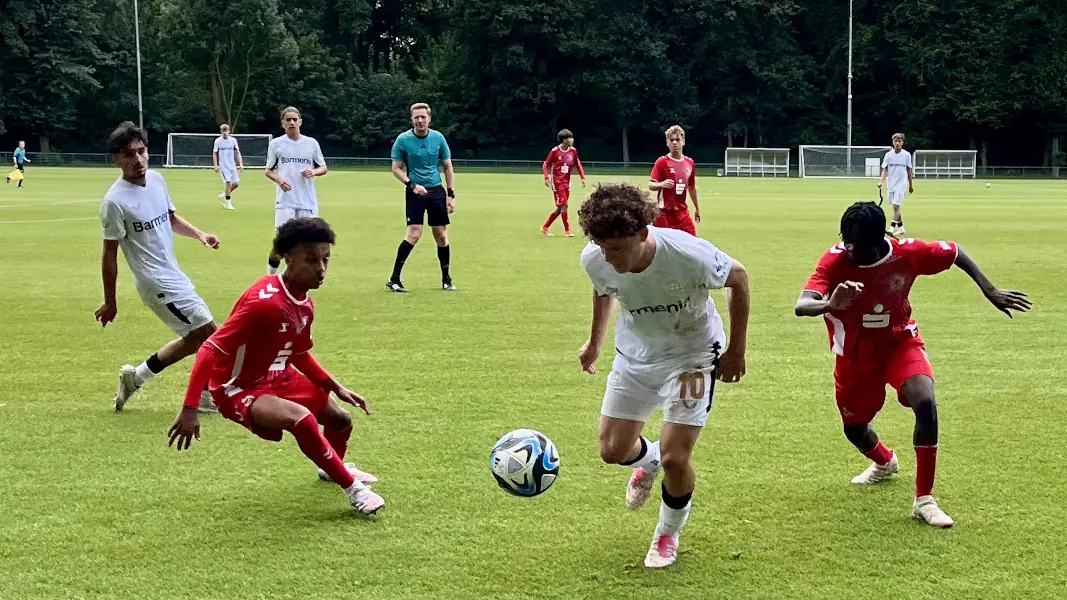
<point>417,154</point>
<point>20,160</point>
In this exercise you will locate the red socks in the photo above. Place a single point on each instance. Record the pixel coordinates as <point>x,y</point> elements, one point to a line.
<point>566,221</point>
<point>550,221</point>
<point>880,454</point>
<point>315,446</point>
<point>925,467</point>
<point>338,439</point>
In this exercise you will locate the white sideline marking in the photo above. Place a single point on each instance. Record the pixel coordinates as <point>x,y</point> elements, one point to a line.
<point>32,204</point>
<point>20,222</point>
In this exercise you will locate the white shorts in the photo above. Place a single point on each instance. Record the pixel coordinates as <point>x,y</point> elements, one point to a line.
<point>183,315</point>
<point>282,215</point>
<point>683,388</point>
<point>896,198</point>
<point>229,174</point>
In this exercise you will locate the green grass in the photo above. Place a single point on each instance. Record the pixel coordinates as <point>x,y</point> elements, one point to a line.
<point>94,504</point>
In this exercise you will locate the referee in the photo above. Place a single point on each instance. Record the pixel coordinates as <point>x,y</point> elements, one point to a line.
<point>20,160</point>
<point>416,155</point>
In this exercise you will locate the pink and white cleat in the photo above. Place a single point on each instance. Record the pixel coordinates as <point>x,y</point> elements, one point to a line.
<point>545,231</point>
<point>663,552</point>
<point>364,500</point>
<point>640,488</point>
<point>926,510</point>
<point>361,476</point>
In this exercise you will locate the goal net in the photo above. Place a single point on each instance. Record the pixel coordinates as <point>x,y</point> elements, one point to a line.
<point>757,162</point>
<point>842,161</point>
<point>944,164</point>
<point>195,149</point>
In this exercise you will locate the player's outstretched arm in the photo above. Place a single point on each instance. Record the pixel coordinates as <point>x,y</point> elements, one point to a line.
<point>184,228</point>
<point>739,302</point>
<point>1005,300</point>
<point>186,425</point>
<point>813,304</point>
<point>314,371</point>
<point>590,351</point>
<point>109,273</point>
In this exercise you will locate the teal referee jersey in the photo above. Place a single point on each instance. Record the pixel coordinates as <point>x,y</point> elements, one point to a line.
<point>421,155</point>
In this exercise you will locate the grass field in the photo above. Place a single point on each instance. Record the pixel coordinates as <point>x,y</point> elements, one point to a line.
<point>94,504</point>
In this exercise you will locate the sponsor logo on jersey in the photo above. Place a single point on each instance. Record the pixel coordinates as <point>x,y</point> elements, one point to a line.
<point>140,226</point>
<point>661,308</point>
<point>295,159</point>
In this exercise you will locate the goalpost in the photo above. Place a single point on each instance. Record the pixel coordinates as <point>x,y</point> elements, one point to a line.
<point>757,162</point>
<point>842,161</point>
<point>945,163</point>
<point>195,149</point>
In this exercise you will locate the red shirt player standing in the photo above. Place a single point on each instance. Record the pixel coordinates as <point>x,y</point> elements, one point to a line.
<point>562,160</point>
<point>672,176</point>
<point>260,372</point>
<point>861,287</point>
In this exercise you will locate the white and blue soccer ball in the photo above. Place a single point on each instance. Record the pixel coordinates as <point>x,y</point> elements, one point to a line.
<point>524,463</point>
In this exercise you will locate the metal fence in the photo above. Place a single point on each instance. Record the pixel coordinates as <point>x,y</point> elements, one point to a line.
<point>86,159</point>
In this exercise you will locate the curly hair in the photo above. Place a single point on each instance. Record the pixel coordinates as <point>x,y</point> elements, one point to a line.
<point>863,223</point>
<point>123,135</point>
<point>616,210</point>
<point>308,230</point>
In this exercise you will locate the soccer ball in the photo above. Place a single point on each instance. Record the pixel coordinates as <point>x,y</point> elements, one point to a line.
<point>987,185</point>
<point>524,463</point>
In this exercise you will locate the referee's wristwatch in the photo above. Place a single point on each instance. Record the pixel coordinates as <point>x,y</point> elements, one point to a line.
<point>409,185</point>
<point>451,193</point>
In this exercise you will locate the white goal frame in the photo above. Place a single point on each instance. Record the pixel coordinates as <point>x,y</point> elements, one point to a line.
<point>756,162</point>
<point>851,169</point>
<point>203,161</point>
<point>945,164</point>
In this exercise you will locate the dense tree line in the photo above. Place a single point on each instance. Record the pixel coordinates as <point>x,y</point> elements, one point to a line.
<point>504,75</point>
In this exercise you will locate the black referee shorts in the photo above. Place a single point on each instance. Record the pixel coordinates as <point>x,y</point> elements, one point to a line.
<point>431,207</point>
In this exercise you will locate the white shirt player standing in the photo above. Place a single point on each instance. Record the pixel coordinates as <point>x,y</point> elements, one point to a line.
<point>897,169</point>
<point>670,345</point>
<point>293,161</point>
<point>138,216</point>
<point>227,160</point>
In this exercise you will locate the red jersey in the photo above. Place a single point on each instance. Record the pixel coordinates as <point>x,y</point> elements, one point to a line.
<point>683,172</point>
<point>880,316</point>
<point>561,163</point>
<point>266,330</point>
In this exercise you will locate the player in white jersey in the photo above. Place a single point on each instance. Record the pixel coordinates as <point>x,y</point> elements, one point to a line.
<point>669,342</point>
<point>138,216</point>
<point>293,161</point>
<point>897,170</point>
<point>227,160</point>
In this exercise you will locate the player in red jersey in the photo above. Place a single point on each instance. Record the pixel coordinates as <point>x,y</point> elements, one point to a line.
<point>672,176</point>
<point>557,168</point>
<point>861,287</point>
<point>260,372</point>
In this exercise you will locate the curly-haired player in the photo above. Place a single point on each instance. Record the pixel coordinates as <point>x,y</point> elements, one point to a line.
<point>670,345</point>
<point>861,287</point>
<point>260,372</point>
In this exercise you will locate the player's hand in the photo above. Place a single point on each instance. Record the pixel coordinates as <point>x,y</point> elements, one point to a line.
<point>419,190</point>
<point>666,185</point>
<point>696,216</point>
<point>1008,300</point>
<point>308,173</point>
<point>548,184</point>
<point>215,168</point>
<point>285,185</point>
<point>583,182</point>
<point>240,167</point>
<point>185,428</point>
<point>349,397</point>
<point>210,240</point>
<point>450,204</point>
<point>731,366</point>
<point>843,295</point>
<point>106,313</point>
<point>911,190</point>
<point>588,355</point>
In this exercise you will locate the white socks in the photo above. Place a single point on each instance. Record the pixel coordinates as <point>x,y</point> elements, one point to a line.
<point>144,373</point>
<point>650,461</point>
<point>671,520</point>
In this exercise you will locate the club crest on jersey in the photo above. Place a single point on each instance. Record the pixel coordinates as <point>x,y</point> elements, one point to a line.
<point>677,287</point>
<point>897,283</point>
<point>303,324</point>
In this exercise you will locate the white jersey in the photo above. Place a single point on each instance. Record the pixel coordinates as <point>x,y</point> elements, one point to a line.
<point>897,163</point>
<point>227,149</point>
<point>290,158</point>
<point>665,310</point>
<point>139,219</point>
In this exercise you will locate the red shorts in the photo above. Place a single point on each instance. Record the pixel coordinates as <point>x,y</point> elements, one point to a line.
<point>860,385</point>
<point>562,194</point>
<point>235,403</point>
<point>677,219</point>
